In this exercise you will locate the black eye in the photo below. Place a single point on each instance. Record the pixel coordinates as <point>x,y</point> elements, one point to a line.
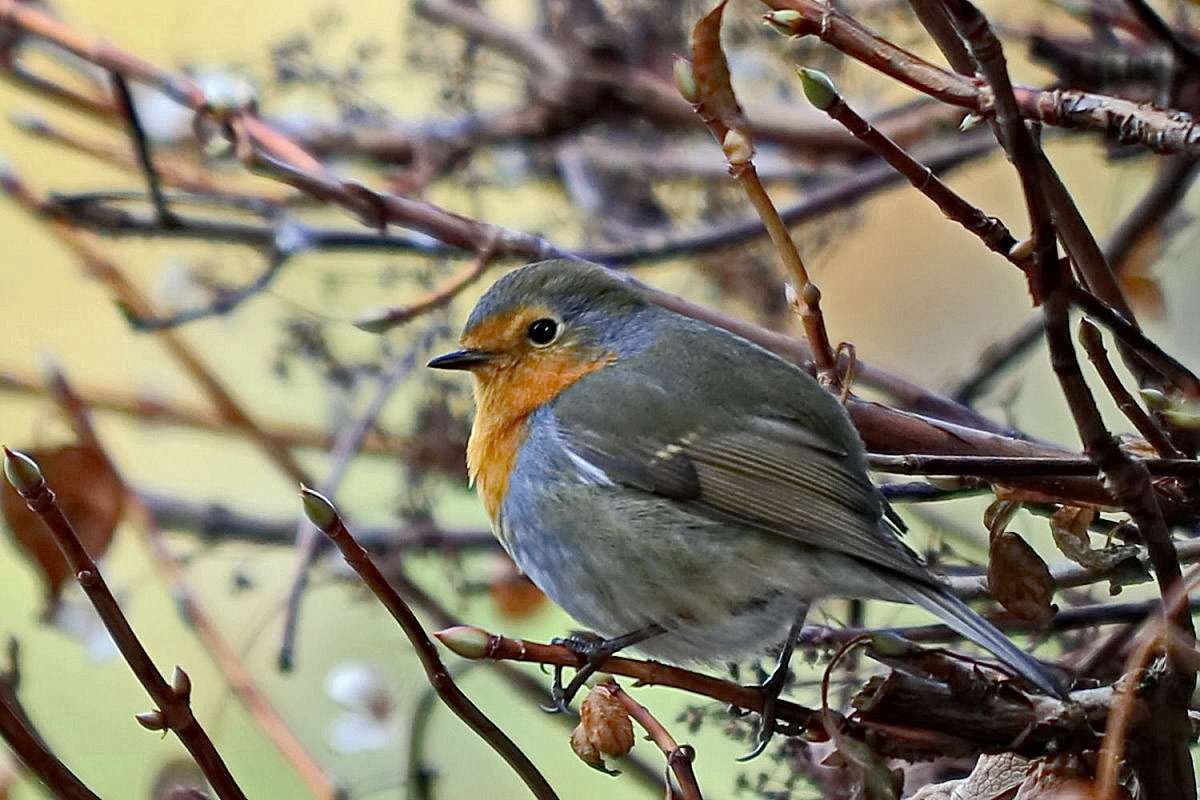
<point>542,331</point>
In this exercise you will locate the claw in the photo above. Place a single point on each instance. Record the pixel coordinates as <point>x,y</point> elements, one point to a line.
<point>560,701</point>
<point>592,651</point>
<point>763,741</point>
<point>768,720</point>
<point>772,687</point>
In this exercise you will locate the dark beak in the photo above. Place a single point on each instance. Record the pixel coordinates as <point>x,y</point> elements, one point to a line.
<point>466,358</point>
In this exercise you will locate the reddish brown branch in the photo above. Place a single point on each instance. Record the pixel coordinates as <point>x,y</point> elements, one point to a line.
<point>18,731</point>
<point>174,710</point>
<point>1161,130</point>
<point>679,757</point>
<point>322,514</point>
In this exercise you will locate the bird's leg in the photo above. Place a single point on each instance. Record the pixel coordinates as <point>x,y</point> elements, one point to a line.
<point>594,650</point>
<point>772,687</point>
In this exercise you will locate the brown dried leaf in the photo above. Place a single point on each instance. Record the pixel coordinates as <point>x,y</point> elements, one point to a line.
<point>90,494</point>
<point>1000,513</point>
<point>604,728</point>
<point>1069,524</point>
<point>1070,527</point>
<point>715,100</point>
<point>873,779</point>
<point>1018,578</point>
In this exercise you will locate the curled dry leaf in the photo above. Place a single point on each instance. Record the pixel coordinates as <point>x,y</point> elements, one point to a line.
<point>1018,578</point>
<point>715,100</point>
<point>90,494</point>
<point>1070,527</point>
<point>1070,524</point>
<point>1057,777</point>
<point>995,775</point>
<point>604,728</point>
<point>871,776</point>
<point>999,513</point>
<point>1010,776</point>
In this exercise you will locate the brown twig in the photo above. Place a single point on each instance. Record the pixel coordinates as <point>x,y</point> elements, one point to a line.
<point>322,514</point>
<point>709,89</point>
<point>1093,345</point>
<point>1169,769</point>
<point>476,643</point>
<point>1160,130</point>
<point>679,757</point>
<point>1157,634</point>
<point>18,731</point>
<point>1010,467</point>
<point>822,93</point>
<point>174,710</point>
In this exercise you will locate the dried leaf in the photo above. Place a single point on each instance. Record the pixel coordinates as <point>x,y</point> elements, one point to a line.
<point>1000,513</point>
<point>995,777</point>
<point>1070,527</point>
<point>1018,578</point>
<point>715,100</point>
<point>1069,524</point>
<point>604,728</point>
<point>90,494</point>
<point>872,777</point>
<point>1060,777</point>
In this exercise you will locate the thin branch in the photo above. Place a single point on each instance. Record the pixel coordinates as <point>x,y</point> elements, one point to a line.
<point>174,710</point>
<point>1093,344</point>
<point>1017,467</point>
<point>326,518</point>
<point>18,731</point>
<point>679,757</point>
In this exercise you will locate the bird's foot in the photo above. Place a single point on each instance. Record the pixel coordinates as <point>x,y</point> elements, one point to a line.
<point>768,719</point>
<point>772,687</point>
<point>592,650</point>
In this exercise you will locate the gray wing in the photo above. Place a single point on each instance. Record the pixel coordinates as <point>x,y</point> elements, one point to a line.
<point>800,475</point>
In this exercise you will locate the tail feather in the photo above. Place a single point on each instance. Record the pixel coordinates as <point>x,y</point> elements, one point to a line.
<point>966,622</point>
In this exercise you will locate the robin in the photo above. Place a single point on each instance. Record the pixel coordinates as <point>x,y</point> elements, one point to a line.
<point>673,485</point>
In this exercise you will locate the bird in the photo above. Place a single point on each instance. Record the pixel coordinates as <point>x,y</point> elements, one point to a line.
<point>672,485</point>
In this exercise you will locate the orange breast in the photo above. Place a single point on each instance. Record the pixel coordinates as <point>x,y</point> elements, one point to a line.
<point>506,393</point>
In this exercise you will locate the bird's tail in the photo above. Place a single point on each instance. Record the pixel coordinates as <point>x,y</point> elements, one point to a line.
<point>964,621</point>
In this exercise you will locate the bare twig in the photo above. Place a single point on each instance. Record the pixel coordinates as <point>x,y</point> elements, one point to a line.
<point>679,757</point>
<point>709,89</point>
<point>174,710</point>
<point>1093,344</point>
<point>329,522</point>
<point>18,731</point>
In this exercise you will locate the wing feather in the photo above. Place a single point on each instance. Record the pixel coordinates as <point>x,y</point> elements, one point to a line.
<point>771,472</point>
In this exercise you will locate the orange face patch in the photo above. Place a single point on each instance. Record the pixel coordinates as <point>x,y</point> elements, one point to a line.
<point>516,382</point>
